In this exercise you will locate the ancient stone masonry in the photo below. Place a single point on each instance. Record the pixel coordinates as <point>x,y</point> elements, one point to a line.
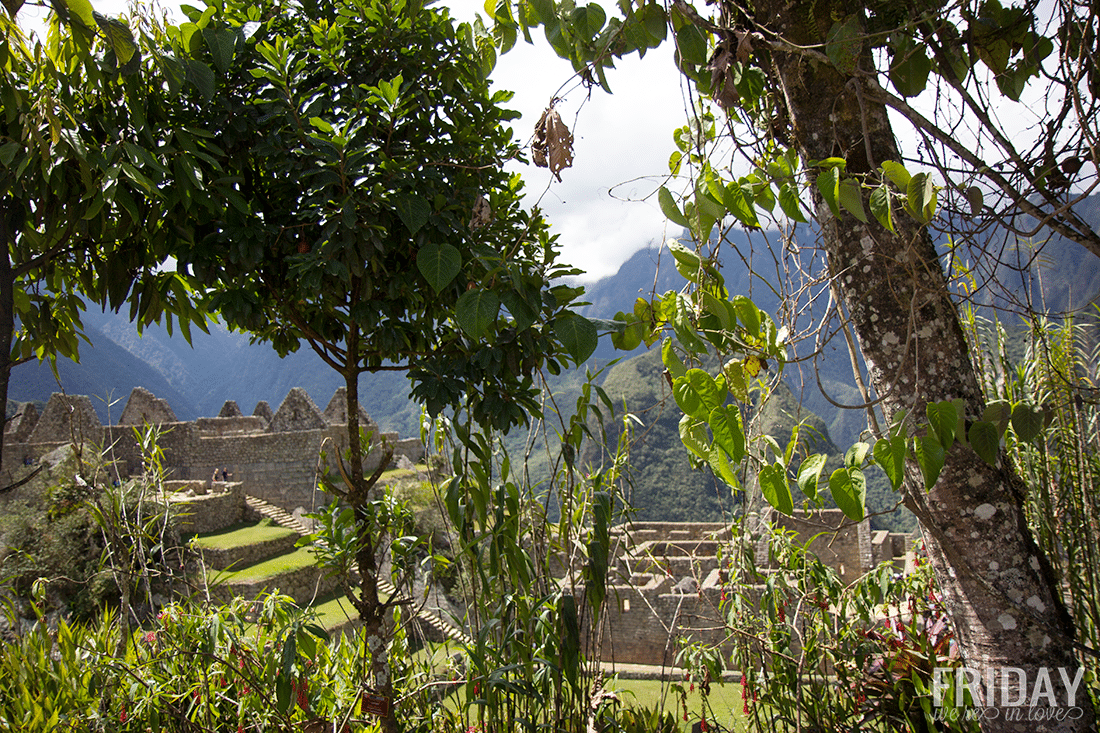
<point>666,576</point>
<point>273,456</point>
<point>22,423</point>
<point>143,407</point>
<point>264,411</point>
<point>230,409</point>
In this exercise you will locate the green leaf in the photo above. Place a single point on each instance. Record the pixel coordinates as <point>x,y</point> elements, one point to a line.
<point>849,490</point>
<point>851,198</point>
<point>222,43</point>
<point>8,151</point>
<point>856,455</point>
<point>201,77</point>
<point>670,209</point>
<point>688,261</point>
<point>976,200</point>
<point>1026,422</point>
<point>844,44</point>
<point>809,473</point>
<point>655,21</point>
<point>909,70</point>
<point>943,419</point>
<point>697,393</point>
<point>921,195</point>
<point>692,44</point>
<point>671,359</point>
<point>439,264</point>
<point>985,440</point>
<point>930,457</point>
<point>694,436</point>
<point>718,463</point>
<point>748,314</point>
<point>578,335</point>
<point>476,310</point>
<point>882,207</point>
<point>82,10</point>
<point>828,183</point>
<point>739,202</point>
<point>774,487</point>
<point>998,412</point>
<point>121,40</point>
<point>890,456</point>
<point>789,202</point>
<point>734,372</point>
<point>683,324</point>
<point>897,174</point>
<point>413,211</point>
<point>725,424</point>
<point>588,20</point>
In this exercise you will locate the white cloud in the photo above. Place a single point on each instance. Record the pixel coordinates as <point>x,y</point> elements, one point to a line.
<point>622,143</point>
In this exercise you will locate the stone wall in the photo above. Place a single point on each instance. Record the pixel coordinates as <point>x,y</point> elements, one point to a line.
<point>667,576</point>
<point>273,456</point>
<point>231,558</point>
<point>303,585</point>
<point>838,542</point>
<point>209,512</point>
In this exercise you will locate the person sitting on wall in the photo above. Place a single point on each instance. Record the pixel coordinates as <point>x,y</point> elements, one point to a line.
<point>214,478</point>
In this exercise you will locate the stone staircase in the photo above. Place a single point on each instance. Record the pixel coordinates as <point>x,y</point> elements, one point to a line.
<point>435,621</point>
<point>275,514</point>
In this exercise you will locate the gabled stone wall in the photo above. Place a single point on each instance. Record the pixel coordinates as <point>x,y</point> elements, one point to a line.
<point>273,456</point>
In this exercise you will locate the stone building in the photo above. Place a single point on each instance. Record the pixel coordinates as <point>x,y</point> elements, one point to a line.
<point>274,456</point>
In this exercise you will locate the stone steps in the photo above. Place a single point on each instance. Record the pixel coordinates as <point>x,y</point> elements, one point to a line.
<point>275,514</point>
<point>434,620</point>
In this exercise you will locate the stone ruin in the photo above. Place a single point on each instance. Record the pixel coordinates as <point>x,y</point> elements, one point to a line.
<point>667,575</point>
<point>664,575</point>
<point>143,407</point>
<point>272,455</point>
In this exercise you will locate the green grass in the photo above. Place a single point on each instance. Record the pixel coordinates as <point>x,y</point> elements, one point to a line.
<point>725,701</point>
<point>334,611</point>
<point>397,473</point>
<point>241,535</point>
<point>300,558</point>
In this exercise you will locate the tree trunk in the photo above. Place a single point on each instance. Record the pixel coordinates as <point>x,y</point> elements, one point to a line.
<point>372,610</point>
<point>7,323</point>
<point>1003,598</point>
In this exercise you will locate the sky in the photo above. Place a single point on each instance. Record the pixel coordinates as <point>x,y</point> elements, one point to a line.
<point>605,207</point>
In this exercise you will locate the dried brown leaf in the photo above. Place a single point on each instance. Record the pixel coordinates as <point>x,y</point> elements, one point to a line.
<point>553,144</point>
<point>721,81</point>
<point>744,46</point>
<point>481,214</point>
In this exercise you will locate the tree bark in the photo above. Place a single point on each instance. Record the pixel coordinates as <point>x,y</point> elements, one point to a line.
<point>1001,593</point>
<point>372,611</point>
<point>7,323</point>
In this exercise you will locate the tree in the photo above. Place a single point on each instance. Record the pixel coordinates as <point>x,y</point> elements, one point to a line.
<point>88,203</point>
<point>362,210</point>
<point>811,81</point>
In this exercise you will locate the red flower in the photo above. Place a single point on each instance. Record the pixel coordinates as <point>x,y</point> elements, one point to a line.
<point>122,715</point>
<point>303,696</point>
<point>151,637</point>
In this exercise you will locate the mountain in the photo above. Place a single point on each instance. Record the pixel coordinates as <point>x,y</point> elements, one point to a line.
<point>196,379</point>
